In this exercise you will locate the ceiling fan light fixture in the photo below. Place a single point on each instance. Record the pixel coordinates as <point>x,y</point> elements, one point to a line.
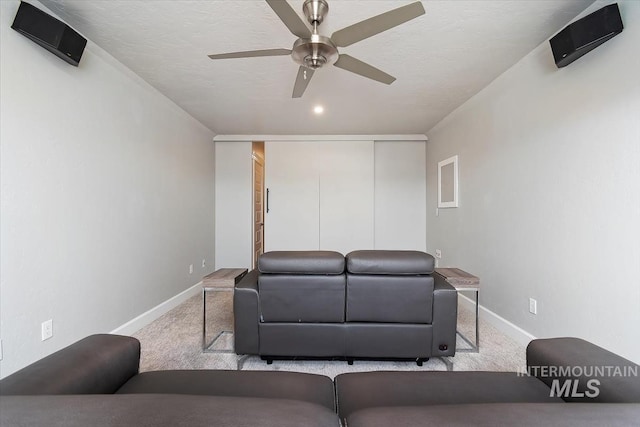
<point>318,109</point>
<point>315,62</point>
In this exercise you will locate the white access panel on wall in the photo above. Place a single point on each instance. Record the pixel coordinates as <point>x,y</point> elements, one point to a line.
<point>292,205</point>
<point>346,195</point>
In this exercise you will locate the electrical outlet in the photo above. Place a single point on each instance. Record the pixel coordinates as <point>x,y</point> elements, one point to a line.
<point>204,263</point>
<point>438,253</point>
<point>190,268</point>
<point>47,329</point>
<point>533,306</point>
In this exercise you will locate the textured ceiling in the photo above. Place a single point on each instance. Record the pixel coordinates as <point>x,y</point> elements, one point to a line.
<point>440,59</point>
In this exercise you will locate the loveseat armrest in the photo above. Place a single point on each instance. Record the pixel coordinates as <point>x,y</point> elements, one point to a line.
<point>580,371</point>
<point>445,318</point>
<point>246,314</point>
<point>98,364</point>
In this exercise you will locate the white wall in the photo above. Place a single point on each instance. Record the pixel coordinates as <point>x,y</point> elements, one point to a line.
<point>107,196</point>
<point>550,192</point>
<point>234,204</point>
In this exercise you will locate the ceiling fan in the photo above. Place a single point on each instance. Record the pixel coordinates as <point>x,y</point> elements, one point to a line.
<point>313,51</point>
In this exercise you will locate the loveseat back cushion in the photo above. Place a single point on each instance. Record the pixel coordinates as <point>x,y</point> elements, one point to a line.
<point>391,299</point>
<point>302,298</point>
<point>301,262</point>
<point>389,262</point>
<point>98,364</point>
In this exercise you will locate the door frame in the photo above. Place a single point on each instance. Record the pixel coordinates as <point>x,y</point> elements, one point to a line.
<point>256,158</point>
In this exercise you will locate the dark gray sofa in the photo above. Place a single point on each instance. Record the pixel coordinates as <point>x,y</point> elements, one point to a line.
<point>568,382</point>
<point>95,382</point>
<point>369,304</point>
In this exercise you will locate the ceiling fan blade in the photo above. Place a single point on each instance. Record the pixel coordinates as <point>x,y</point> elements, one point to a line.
<point>302,80</point>
<point>251,54</point>
<point>372,26</point>
<point>354,65</point>
<point>290,18</point>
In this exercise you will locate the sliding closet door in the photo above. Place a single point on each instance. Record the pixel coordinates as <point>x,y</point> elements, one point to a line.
<point>292,182</point>
<point>401,195</point>
<point>346,195</point>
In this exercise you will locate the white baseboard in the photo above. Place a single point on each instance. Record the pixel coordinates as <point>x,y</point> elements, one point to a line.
<point>518,334</point>
<point>144,319</point>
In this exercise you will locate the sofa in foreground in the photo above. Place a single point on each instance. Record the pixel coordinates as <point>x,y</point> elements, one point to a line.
<point>95,382</point>
<point>367,304</point>
<point>568,382</point>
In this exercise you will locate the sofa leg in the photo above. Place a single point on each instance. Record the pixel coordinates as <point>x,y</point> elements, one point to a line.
<point>420,360</point>
<point>269,361</point>
<point>350,361</point>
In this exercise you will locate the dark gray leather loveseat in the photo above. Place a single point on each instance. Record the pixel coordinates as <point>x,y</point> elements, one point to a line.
<point>369,304</point>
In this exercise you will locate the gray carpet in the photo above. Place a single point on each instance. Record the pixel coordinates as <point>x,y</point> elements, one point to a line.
<point>174,341</point>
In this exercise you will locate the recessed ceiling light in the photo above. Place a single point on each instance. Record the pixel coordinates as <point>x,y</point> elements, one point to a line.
<point>318,109</point>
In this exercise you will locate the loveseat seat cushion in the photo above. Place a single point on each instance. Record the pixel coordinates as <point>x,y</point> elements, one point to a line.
<point>160,410</point>
<point>99,363</point>
<point>312,388</point>
<point>500,414</point>
<point>357,391</point>
<point>389,262</point>
<point>301,262</point>
<point>302,298</point>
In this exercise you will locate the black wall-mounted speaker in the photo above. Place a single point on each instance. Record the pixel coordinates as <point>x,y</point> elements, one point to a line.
<point>50,33</point>
<point>586,34</point>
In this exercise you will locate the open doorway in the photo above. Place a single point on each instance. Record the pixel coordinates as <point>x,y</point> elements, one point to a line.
<point>258,200</point>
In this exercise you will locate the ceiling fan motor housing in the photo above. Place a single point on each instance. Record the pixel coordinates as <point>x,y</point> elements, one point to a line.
<point>314,52</point>
<point>318,50</point>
